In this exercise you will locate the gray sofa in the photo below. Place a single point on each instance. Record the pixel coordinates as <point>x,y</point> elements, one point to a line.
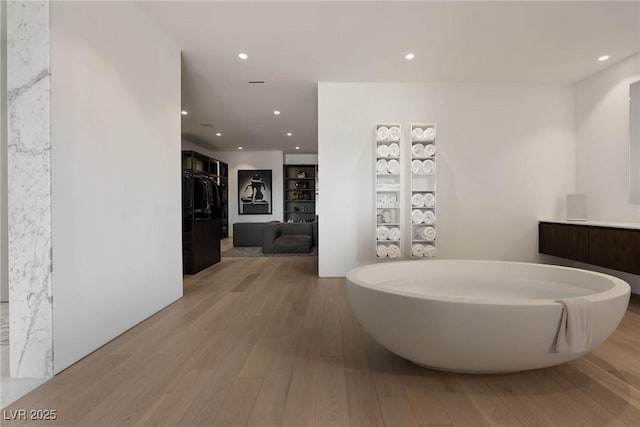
<point>249,233</point>
<point>289,237</point>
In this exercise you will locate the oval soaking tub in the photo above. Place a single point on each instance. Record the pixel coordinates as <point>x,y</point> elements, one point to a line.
<point>479,316</point>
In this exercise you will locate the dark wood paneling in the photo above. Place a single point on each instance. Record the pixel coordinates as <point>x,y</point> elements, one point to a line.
<point>564,241</point>
<point>615,248</point>
<point>201,248</point>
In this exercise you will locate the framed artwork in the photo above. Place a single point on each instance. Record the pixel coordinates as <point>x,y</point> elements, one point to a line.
<point>254,192</point>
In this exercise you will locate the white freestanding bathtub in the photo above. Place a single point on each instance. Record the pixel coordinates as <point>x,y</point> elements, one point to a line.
<point>479,316</point>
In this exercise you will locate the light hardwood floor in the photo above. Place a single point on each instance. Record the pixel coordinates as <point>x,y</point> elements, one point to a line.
<point>264,342</point>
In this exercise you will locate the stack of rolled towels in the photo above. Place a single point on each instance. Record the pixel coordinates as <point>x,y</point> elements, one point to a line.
<point>424,233</point>
<point>387,201</point>
<point>426,134</point>
<point>392,150</point>
<point>419,200</point>
<point>388,133</point>
<point>391,251</point>
<point>387,166</point>
<point>423,167</point>
<point>419,151</point>
<point>423,217</point>
<point>420,250</point>
<point>387,233</point>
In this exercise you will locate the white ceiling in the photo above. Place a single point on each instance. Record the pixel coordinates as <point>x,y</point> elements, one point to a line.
<point>294,45</point>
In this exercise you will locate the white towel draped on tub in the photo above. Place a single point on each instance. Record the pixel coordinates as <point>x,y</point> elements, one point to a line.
<point>574,332</point>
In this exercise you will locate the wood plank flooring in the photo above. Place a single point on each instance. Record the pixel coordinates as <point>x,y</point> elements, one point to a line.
<point>264,342</point>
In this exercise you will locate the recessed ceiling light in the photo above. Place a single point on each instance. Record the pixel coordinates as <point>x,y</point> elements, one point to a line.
<point>243,55</point>
<point>277,113</point>
<point>409,56</point>
<point>239,148</point>
<point>297,148</point>
<point>289,134</point>
<point>184,112</point>
<point>218,134</point>
<point>603,58</point>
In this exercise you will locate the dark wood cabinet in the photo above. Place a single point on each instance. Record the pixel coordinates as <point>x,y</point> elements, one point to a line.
<point>564,241</point>
<point>609,247</point>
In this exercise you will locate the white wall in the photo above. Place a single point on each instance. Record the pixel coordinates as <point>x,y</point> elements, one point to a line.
<point>115,125</point>
<point>236,160</point>
<point>4,278</point>
<point>505,159</point>
<point>602,141</point>
<point>602,146</point>
<point>300,159</point>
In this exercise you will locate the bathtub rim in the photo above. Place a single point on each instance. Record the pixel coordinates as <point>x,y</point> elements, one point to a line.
<point>619,288</point>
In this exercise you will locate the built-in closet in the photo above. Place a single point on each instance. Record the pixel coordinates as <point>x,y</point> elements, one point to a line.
<point>204,210</point>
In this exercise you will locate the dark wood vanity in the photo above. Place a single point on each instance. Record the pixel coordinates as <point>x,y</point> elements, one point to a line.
<point>617,248</point>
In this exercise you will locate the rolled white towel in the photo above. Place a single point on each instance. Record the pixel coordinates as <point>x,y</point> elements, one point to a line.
<point>382,251</point>
<point>429,200</point>
<point>575,329</point>
<point>429,150</point>
<point>394,150</point>
<point>417,150</point>
<point>428,234</point>
<point>429,251</point>
<point>383,150</point>
<point>382,166</point>
<point>394,133</point>
<point>382,133</point>
<point>429,217</point>
<point>428,167</point>
<point>430,134</point>
<point>382,233</point>
<point>417,216</point>
<point>416,167</point>
<point>394,251</point>
<point>417,250</point>
<point>394,233</point>
<point>393,166</point>
<point>417,134</point>
<point>417,200</point>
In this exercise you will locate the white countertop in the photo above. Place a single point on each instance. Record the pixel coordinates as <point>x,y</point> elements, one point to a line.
<point>631,225</point>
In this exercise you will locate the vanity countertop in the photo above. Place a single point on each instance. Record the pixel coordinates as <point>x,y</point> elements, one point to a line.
<point>612,224</point>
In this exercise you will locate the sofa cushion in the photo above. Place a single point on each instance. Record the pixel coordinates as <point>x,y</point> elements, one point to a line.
<point>292,243</point>
<point>249,233</point>
<point>297,228</point>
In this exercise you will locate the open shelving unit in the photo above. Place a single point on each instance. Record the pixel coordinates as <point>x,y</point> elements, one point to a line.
<point>423,190</point>
<point>300,193</point>
<point>388,190</point>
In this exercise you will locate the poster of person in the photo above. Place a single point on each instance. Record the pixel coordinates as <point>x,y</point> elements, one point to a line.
<point>254,192</point>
